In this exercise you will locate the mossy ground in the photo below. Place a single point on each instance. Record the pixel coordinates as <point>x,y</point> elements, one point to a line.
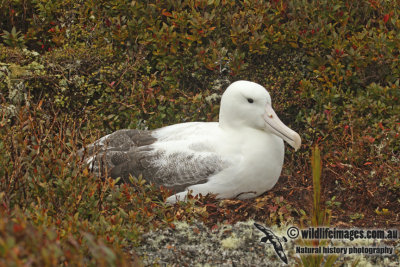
<point>73,71</point>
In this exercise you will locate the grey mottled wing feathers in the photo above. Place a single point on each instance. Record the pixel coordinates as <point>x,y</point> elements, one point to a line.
<point>129,152</point>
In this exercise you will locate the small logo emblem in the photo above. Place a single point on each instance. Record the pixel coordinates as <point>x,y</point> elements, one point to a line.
<point>274,240</point>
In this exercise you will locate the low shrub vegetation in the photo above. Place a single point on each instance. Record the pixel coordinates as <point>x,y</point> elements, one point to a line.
<point>72,71</point>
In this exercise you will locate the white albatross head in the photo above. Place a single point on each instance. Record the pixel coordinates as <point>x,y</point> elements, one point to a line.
<point>248,104</point>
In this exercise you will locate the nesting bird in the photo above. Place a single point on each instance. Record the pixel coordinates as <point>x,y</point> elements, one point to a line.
<point>241,156</point>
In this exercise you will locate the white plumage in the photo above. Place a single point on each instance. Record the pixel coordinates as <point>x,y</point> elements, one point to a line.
<point>241,156</point>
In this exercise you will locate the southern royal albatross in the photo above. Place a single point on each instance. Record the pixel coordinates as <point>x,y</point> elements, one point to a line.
<point>241,156</point>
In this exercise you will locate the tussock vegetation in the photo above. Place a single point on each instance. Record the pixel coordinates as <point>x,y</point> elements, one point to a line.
<point>72,71</point>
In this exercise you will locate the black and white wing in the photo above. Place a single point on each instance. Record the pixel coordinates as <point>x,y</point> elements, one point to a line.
<point>176,156</point>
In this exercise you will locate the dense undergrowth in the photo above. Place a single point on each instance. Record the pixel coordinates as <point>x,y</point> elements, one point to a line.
<point>71,71</point>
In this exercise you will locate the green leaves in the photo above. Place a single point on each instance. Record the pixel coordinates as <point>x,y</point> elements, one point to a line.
<point>316,165</point>
<point>320,216</point>
<point>92,67</point>
<point>13,38</point>
<point>57,209</point>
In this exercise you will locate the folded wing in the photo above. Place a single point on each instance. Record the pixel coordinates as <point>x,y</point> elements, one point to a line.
<point>171,162</point>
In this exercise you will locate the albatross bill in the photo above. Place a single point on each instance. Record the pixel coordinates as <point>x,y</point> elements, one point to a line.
<point>241,156</point>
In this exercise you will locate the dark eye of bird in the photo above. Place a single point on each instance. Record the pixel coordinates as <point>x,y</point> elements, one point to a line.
<point>250,100</point>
